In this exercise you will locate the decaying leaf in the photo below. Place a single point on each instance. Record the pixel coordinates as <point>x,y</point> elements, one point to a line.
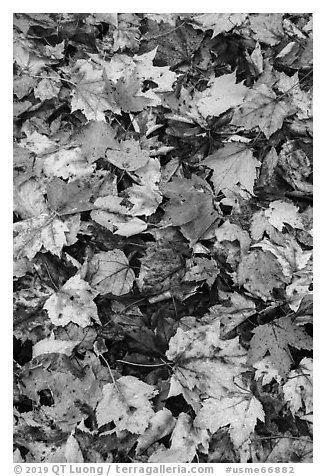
<point>110,273</point>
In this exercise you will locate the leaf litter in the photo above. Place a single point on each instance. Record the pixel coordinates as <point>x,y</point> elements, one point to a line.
<point>163,237</point>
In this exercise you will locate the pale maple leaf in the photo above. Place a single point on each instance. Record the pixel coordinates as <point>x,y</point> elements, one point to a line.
<point>47,89</point>
<point>275,339</point>
<point>42,231</point>
<point>205,365</point>
<point>126,402</point>
<point>219,22</point>
<point>110,273</point>
<point>262,109</point>
<point>268,27</point>
<point>232,164</point>
<point>298,388</point>
<point>73,303</point>
<point>185,440</point>
<point>89,94</point>
<point>240,411</point>
<point>221,94</point>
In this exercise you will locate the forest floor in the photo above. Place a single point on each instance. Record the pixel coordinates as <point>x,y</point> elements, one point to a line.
<point>163,238</point>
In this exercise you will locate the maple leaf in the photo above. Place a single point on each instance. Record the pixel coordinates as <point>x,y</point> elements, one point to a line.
<point>268,27</point>
<point>205,365</point>
<point>262,109</point>
<point>219,22</point>
<point>221,94</point>
<point>275,339</point>
<point>126,402</point>
<point>73,303</point>
<point>240,411</point>
<point>110,273</point>
<point>232,164</point>
<point>42,231</point>
<point>89,94</point>
<point>298,388</point>
<point>185,440</point>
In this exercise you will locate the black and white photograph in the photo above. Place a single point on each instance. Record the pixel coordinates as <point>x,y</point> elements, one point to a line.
<point>162,239</point>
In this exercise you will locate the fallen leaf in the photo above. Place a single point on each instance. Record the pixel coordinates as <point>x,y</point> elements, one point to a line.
<point>219,22</point>
<point>241,411</point>
<point>259,272</point>
<point>232,164</point>
<point>275,338</point>
<point>298,388</point>
<point>126,402</point>
<point>267,27</point>
<point>129,156</point>
<point>73,303</point>
<point>42,231</point>
<point>185,440</point>
<point>262,109</point>
<point>110,273</point>
<point>221,94</point>
<point>160,425</point>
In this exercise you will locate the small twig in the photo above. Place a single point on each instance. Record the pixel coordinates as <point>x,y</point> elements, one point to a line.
<point>142,365</point>
<point>163,34</point>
